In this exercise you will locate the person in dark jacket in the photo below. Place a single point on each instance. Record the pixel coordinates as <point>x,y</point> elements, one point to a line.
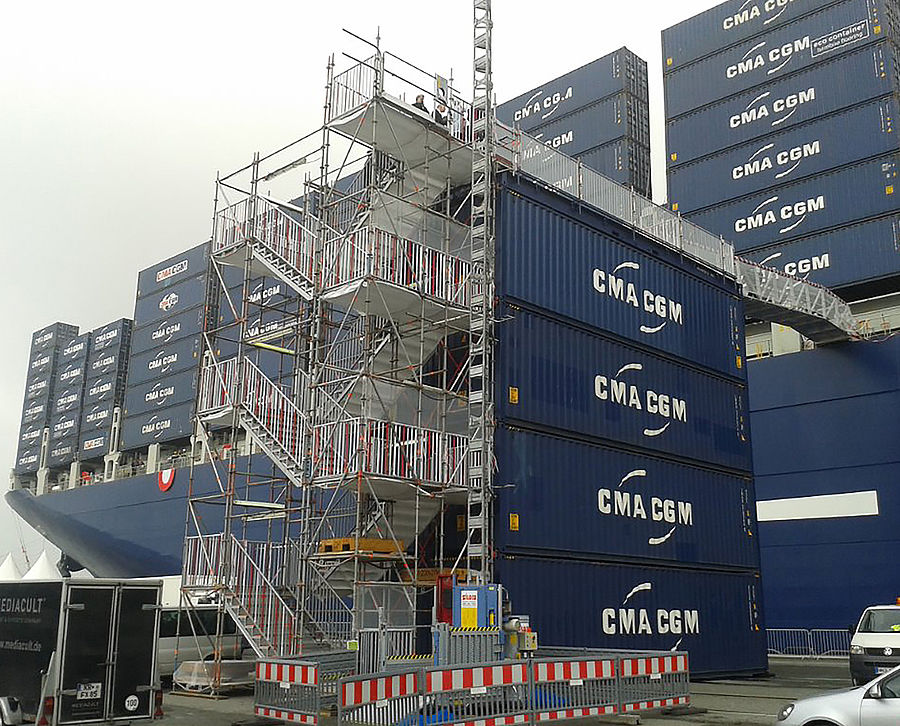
<point>420,103</point>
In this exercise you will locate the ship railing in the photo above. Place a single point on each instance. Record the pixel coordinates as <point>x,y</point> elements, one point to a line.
<point>391,450</point>
<point>569,175</point>
<point>388,257</point>
<point>385,74</point>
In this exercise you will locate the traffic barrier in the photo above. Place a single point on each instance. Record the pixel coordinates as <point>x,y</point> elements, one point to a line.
<point>518,691</point>
<point>287,690</point>
<point>803,643</point>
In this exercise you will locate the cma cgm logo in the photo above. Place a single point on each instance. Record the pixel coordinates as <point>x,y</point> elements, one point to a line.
<point>799,267</point>
<point>74,349</point>
<point>159,394</point>
<point>40,362</point>
<point>760,57</point>
<point>629,395</point>
<point>630,618</point>
<point>156,427</point>
<point>616,287</point>
<point>768,214</point>
<point>544,107</point>
<point>43,338</point>
<point>747,13</point>
<point>106,337</point>
<point>165,332</point>
<point>784,161</point>
<point>168,302</point>
<point>163,362</point>
<point>779,109</point>
<point>623,503</point>
<point>171,271</point>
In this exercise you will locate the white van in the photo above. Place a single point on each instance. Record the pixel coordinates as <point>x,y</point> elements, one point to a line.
<point>189,634</point>
<point>875,643</point>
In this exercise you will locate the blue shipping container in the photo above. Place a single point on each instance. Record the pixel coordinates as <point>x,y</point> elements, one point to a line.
<point>552,375</point>
<point>94,444</point>
<point>826,87</point>
<point>65,426</point>
<point>183,325</point>
<point>39,388</point>
<point>30,435</point>
<point>167,424</point>
<point>834,141</point>
<point>39,410</point>
<point>619,71</point>
<point>105,388</point>
<point>715,616</point>
<point>98,417</point>
<point>859,253</point>
<point>53,336</point>
<point>77,349</point>
<point>62,453</point>
<point>112,335</point>
<point>553,254</point>
<point>180,267</point>
<point>27,460</point>
<point>153,395</point>
<point>606,502</point>
<point>624,161</point>
<point>163,304</point>
<point>839,197</point>
<point>109,361</point>
<point>42,363</point>
<point>165,361</point>
<point>727,24</point>
<point>821,35</point>
<point>71,375</point>
<point>597,124</point>
<point>67,399</point>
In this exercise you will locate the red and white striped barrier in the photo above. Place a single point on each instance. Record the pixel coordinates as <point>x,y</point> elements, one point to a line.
<point>662,703</point>
<point>574,670</point>
<point>287,673</point>
<point>654,666</point>
<point>498,721</point>
<point>458,679</point>
<point>360,692</point>
<point>287,715</point>
<point>575,713</point>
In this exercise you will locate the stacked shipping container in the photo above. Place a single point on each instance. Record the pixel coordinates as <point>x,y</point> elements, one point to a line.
<point>68,401</point>
<point>781,134</point>
<point>624,514</point>
<point>41,385</point>
<point>104,386</point>
<point>598,113</point>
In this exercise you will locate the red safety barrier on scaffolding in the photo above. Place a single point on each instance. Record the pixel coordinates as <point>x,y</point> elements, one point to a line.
<point>455,679</point>
<point>357,693</point>
<point>287,673</point>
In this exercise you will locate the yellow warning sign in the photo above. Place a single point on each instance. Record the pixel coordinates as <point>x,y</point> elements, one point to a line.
<point>468,608</point>
<point>513,522</point>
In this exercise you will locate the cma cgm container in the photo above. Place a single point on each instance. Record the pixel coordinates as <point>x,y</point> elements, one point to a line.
<point>154,395</point>
<point>163,425</point>
<point>564,378</point>
<point>828,525</point>
<point>110,337</point>
<point>829,31</point>
<point>728,24</point>
<point>176,298</point>
<point>53,336</point>
<point>176,269</point>
<point>555,255</point>
<point>164,361</point>
<point>828,86</point>
<point>76,349</point>
<point>613,503</point>
<point>716,616</point>
<point>618,72</point>
<point>859,132</point>
<point>864,255</point>
<point>623,161</point>
<point>838,197</point>
<point>181,325</point>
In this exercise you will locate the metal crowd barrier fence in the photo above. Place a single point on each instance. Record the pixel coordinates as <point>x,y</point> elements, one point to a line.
<point>287,690</point>
<point>812,643</point>
<point>517,692</point>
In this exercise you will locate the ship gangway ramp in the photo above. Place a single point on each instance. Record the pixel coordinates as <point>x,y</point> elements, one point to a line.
<point>769,294</point>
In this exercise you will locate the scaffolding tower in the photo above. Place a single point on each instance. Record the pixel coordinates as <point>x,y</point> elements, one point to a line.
<point>350,429</point>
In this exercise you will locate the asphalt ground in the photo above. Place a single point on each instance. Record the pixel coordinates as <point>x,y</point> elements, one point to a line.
<point>739,702</point>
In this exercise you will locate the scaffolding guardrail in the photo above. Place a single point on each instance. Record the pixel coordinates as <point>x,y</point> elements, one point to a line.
<point>518,692</point>
<point>809,643</point>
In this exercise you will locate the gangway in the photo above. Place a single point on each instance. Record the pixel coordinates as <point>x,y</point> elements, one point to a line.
<point>769,294</point>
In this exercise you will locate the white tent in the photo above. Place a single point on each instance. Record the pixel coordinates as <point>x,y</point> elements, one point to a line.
<point>8,570</point>
<point>43,569</point>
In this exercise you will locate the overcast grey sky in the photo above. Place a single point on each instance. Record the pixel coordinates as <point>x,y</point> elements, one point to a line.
<point>115,117</point>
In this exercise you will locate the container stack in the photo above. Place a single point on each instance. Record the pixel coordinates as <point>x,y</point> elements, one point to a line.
<point>41,384</point>
<point>104,387</point>
<point>625,500</point>
<point>781,135</point>
<point>598,113</point>
<point>169,316</point>
<point>68,401</point>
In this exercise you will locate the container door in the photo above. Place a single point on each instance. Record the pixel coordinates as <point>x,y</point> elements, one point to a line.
<point>135,667</point>
<point>86,654</point>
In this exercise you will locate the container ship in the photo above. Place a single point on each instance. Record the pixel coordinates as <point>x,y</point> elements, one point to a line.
<point>448,350</point>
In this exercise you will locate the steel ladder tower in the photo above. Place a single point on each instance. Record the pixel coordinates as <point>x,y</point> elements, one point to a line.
<point>481,322</point>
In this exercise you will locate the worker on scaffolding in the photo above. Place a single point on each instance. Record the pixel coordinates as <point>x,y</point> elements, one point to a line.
<point>420,103</point>
<point>440,114</point>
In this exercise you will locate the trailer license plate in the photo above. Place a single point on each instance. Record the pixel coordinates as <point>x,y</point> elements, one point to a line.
<point>88,691</point>
<point>881,669</point>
